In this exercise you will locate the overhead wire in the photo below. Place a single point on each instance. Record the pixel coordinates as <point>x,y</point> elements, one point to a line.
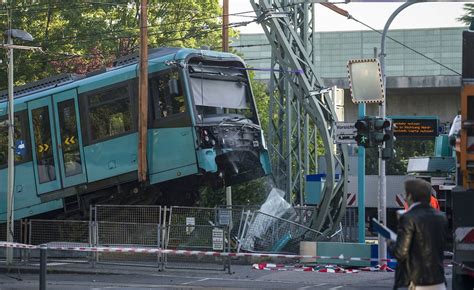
<point>349,16</point>
<point>90,35</point>
<point>88,4</point>
<point>75,55</point>
<point>410,48</point>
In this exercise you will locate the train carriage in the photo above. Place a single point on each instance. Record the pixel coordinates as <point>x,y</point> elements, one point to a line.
<point>76,135</point>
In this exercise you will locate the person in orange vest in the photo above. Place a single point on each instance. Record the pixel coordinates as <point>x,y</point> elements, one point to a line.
<point>433,201</point>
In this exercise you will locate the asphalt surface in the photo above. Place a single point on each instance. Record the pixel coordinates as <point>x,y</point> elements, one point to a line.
<point>82,276</point>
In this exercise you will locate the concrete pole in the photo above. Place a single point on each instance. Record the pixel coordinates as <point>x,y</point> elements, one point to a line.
<point>382,200</point>
<point>11,154</point>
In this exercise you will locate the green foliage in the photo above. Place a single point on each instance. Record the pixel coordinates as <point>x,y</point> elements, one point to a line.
<point>262,101</point>
<point>81,36</point>
<point>252,193</point>
<point>405,148</point>
<point>467,18</point>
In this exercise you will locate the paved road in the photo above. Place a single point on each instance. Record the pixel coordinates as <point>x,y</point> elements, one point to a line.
<point>244,277</point>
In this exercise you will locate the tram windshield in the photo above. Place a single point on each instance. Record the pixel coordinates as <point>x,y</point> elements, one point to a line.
<point>221,92</point>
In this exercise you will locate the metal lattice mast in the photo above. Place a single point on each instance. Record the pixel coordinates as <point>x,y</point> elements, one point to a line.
<point>299,110</point>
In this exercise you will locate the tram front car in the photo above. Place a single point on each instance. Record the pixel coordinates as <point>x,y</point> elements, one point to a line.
<point>230,144</point>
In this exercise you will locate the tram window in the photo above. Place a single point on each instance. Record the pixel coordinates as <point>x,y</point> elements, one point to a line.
<point>109,113</point>
<point>69,142</point>
<point>44,144</point>
<point>22,152</point>
<point>167,103</point>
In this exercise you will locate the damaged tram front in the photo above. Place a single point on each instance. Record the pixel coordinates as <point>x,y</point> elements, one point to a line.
<point>230,143</point>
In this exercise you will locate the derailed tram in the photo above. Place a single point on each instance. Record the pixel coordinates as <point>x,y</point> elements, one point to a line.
<point>76,135</point>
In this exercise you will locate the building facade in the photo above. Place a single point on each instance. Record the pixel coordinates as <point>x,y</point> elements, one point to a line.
<point>416,84</point>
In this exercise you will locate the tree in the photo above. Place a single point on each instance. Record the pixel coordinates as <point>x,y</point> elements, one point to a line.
<point>467,18</point>
<point>404,148</point>
<point>81,36</point>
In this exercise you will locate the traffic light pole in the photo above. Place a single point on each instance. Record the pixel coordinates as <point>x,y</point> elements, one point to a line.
<point>382,200</point>
<point>361,183</point>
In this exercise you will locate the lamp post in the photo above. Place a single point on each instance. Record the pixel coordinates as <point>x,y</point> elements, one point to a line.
<point>382,200</point>
<point>23,35</point>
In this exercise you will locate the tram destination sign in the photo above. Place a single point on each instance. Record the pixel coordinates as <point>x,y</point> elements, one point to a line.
<point>415,127</point>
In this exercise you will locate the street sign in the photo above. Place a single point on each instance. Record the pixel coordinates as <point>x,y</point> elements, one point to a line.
<point>365,81</point>
<point>224,216</point>
<point>217,239</point>
<point>190,222</point>
<point>345,133</point>
<point>415,127</point>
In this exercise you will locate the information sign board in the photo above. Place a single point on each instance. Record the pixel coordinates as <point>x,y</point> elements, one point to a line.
<point>345,133</point>
<point>217,239</point>
<point>419,128</point>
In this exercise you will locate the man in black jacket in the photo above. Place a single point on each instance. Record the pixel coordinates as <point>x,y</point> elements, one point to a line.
<point>421,238</point>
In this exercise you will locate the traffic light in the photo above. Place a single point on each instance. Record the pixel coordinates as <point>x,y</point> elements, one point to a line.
<point>389,151</point>
<point>379,134</point>
<point>363,127</point>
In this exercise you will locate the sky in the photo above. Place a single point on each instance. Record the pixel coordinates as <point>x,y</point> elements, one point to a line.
<point>420,15</point>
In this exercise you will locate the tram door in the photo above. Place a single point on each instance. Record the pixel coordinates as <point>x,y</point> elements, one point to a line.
<point>57,150</point>
<point>44,146</point>
<point>70,153</point>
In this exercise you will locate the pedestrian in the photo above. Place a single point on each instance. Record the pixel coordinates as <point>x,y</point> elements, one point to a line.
<point>421,238</point>
<point>433,201</point>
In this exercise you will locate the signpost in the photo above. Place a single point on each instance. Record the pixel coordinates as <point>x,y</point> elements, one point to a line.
<point>345,133</point>
<point>366,86</point>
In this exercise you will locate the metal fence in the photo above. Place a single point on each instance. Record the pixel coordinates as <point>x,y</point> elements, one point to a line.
<point>197,238</point>
<point>234,218</point>
<point>267,233</point>
<point>203,229</point>
<point>20,235</point>
<point>67,233</point>
<point>221,229</point>
<point>140,214</point>
<point>127,226</point>
<point>350,225</point>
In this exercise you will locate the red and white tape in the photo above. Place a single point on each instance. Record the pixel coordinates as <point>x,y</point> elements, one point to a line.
<point>301,268</point>
<point>186,252</point>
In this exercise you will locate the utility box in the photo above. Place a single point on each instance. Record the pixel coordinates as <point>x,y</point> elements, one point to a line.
<point>442,147</point>
<point>314,188</point>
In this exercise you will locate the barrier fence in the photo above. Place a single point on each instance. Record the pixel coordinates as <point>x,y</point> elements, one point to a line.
<point>172,230</point>
<point>127,226</point>
<point>186,252</point>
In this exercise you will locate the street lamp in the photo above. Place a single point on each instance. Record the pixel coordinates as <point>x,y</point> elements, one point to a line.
<point>25,36</point>
<point>382,201</point>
